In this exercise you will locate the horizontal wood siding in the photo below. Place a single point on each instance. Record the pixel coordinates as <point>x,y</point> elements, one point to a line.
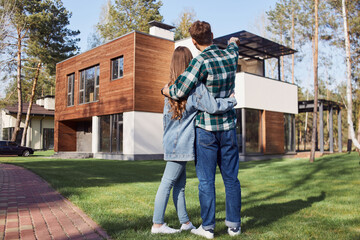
<point>274,133</point>
<point>114,96</point>
<point>152,70</point>
<point>65,136</point>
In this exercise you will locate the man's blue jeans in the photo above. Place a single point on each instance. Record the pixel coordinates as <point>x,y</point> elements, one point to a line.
<point>212,149</point>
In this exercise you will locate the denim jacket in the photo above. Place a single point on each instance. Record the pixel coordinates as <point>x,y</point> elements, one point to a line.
<point>179,135</point>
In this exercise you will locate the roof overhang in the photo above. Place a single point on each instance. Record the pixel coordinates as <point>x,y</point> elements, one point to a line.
<point>308,105</point>
<point>255,47</point>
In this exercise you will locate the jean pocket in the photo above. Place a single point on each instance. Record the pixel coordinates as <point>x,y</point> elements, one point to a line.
<point>205,138</point>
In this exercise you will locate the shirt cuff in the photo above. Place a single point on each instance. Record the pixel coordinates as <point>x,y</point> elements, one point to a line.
<point>172,93</point>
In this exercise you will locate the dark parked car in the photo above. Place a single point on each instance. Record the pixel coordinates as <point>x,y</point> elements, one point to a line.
<point>12,148</point>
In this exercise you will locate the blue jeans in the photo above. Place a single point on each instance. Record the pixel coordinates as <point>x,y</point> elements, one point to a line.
<point>174,177</point>
<point>212,149</point>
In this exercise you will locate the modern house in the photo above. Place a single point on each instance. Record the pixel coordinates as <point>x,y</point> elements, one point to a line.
<point>40,133</point>
<point>108,101</point>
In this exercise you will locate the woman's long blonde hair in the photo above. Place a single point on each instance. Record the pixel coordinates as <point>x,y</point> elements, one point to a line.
<point>179,62</point>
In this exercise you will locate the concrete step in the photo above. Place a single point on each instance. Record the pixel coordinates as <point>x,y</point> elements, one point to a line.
<point>69,155</point>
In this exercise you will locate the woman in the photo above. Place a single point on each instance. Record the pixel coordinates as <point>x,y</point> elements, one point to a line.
<point>179,141</point>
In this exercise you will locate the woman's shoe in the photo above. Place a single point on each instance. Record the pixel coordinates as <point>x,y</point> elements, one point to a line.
<point>187,227</point>
<point>164,229</point>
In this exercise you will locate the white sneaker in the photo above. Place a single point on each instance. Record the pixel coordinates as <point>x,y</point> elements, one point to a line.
<point>234,231</point>
<point>164,229</point>
<point>209,234</point>
<point>187,227</point>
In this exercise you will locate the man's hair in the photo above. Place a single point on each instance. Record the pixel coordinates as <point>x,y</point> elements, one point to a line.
<point>200,31</point>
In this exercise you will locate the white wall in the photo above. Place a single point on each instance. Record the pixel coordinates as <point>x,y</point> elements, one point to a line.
<point>143,133</point>
<point>160,32</point>
<point>263,93</point>
<point>187,42</point>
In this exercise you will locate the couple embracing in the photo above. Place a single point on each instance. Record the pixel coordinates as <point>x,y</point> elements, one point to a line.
<point>199,124</point>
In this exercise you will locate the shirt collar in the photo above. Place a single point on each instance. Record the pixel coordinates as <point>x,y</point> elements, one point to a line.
<point>211,47</point>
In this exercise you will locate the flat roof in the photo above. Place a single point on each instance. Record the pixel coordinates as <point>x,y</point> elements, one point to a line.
<point>254,46</point>
<point>308,105</point>
<point>160,25</point>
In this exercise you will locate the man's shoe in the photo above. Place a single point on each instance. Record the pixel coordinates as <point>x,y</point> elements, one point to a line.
<point>187,227</point>
<point>234,231</point>
<point>164,229</point>
<point>209,234</point>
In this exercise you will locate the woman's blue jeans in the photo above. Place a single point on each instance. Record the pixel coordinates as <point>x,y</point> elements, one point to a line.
<point>212,149</point>
<point>174,177</point>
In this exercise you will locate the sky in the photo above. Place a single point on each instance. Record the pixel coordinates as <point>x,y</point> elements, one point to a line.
<point>226,16</point>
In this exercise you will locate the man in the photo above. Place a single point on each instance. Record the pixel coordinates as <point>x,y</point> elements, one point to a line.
<point>215,134</point>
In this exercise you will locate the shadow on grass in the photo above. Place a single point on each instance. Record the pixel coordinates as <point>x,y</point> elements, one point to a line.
<point>97,173</point>
<point>266,214</point>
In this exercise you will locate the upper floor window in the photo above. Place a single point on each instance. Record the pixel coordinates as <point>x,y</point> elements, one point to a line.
<point>117,68</point>
<point>70,91</point>
<point>89,85</point>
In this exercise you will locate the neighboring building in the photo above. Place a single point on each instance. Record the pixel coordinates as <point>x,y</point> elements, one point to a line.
<point>108,99</point>
<point>40,133</point>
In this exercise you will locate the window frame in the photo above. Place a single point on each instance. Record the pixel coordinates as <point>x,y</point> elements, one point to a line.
<point>70,93</point>
<point>118,70</point>
<point>82,84</point>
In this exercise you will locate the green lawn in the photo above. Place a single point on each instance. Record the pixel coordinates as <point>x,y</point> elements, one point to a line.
<point>281,199</point>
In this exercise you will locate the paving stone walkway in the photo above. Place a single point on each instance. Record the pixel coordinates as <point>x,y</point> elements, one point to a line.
<point>31,209</point>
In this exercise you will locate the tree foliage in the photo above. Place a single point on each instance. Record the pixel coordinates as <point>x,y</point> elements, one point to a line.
<point>183,23</point>
<point>37,36</point>
<point>128,15</point>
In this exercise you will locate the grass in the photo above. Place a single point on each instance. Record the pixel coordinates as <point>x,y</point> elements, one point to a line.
<point>281,199</point>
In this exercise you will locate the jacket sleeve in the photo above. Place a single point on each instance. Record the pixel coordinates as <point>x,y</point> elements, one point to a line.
<point>203,101</point>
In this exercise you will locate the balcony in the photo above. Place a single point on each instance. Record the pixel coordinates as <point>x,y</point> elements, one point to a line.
<point>256,92</point>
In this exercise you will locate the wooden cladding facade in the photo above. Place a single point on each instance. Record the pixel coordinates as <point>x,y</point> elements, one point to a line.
<point>152,71</point>
<point>273,133</point>
<point>146,70</point>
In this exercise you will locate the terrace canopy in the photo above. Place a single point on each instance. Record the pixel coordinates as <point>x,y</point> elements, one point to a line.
<point>324,105</point>
<point>255,47</point>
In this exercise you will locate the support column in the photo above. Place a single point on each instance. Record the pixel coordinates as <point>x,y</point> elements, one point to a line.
<point>331,137</point>
<point>279,70</point>
<point>339,131</point>
<point>293,147</point>
<point>321,121</point>
<point>95,134</point>
<point>243,126</point>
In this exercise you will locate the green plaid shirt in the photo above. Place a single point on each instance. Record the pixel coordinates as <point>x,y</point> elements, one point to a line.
<point>216,68</point>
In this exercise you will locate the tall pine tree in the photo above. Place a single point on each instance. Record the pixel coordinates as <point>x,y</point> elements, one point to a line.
<point>128,15</point>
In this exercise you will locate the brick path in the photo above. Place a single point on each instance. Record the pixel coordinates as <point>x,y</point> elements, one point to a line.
<point>31,209</point>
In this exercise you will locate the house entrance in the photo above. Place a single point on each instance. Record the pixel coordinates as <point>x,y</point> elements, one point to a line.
<point>84,136</point>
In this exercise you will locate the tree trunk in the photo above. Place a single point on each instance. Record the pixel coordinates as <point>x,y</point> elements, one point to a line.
<point>316,41</point>
<point>18,79</point>
<point>351,131</point>
<point>30,104</point>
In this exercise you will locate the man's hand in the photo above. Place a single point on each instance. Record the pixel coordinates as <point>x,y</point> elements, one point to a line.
<point>234,40</point>
<point>165,91</point>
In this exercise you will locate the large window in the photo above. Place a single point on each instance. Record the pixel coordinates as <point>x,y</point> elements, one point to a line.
<point>70,91</point>
<point>253,131</point>
<point>111,133</point>
<point>7,134</point>
<point>239,131</point>
<point>89,85</point>
<point>48,138</point>
<point>289,130</point>
<point>117,68</point>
